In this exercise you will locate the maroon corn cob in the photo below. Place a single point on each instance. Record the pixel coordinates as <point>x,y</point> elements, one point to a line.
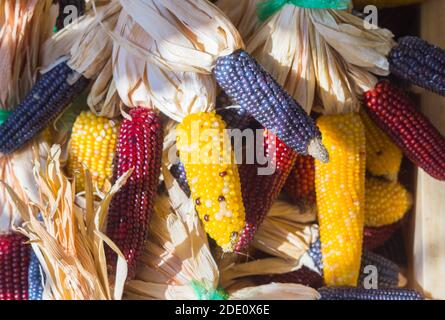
<point>260,191</point>
<point>375,237</point>
<point>14,261</point>
<point>139,147</point>
<point>395,113</point>
<point>300,185</point>
<point>304,276</point>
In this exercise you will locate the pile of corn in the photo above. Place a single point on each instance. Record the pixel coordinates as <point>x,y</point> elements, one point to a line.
<point>341,167</point>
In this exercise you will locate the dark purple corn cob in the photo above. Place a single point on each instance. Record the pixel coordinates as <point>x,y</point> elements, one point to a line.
<point>35,288</point>
<point>260,191</point>
<point>178,172</point>
<point>394,249</point>
<point>253,89</point>
<point>304,276</point>
<point>420,63</point>
<point>351,293</point>
<point>375,237</point>
<point>139,147</point>
<point>47,99</point>
<point>235,118</point>
<point>388,272</point>
<point>14,262</point>
<point>65,12</point>
<point>396,114</point>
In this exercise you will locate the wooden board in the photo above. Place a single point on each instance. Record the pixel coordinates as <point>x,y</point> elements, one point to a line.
<point>428,260</point>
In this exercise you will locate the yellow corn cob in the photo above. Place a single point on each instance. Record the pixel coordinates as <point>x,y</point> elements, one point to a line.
<point>215,185</point>
<point>385,3</point>
<point>383,157</point>
<point>93,142</point>
<point>385,202</point>
<point>340,189</point>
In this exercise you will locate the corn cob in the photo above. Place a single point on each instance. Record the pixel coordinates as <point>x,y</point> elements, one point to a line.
<point>304,276</point>
<point>385,202</point>
<point>35,288</point>
<point>178,172</point>
<point>261,191</point>
<point>375,237</point>
<point>420,63</point>
<point>93,142</point>
<point>394,249</point>
<point>214,182</point>
<point>14,261</point>
<point>48,98</point>
<point>139,147</point>
<point>64,13</point>
<point>340,189</point>
<point>383,157</point>
<point>388,272</point>
<point>395,113</point>
<point>235,118</point>
<point>349,293</point>
<point>300,185</point>
<point>251,87</point>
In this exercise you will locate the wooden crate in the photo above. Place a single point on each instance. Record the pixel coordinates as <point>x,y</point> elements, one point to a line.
<point>426,236</point>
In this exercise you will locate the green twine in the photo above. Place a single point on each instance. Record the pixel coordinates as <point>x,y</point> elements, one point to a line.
<point>269,7</point>
<point>4,115</point>
<point>203,294</point>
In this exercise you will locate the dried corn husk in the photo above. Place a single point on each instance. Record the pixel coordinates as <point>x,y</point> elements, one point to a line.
<point>325,58</point>
<point>69,241</point>
<point>283,48</point>
<point>176,257</point>
<point>287,233</point>
<point>24,26</point>
<point>275,291</point>
<point>141,83</point>
<point>84,43</point>
<point>266,266</point>
<point>186,35</point>
<point>104,99</point>
<point>243,14</point>
<point>177,264</point>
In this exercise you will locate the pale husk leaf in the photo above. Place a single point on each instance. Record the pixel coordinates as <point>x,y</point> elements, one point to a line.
<point>24,26</point>
<point>282,47</point>
<point>176,254</point>
<point>243,15</point>
<point>285,233</point>
<point>275,291</point>
<point>186,35</point>
<point>103,98</point>
<point>85,42</point>
<point>143,84</point>
<point>68,244</point>
<point>359,46</point>
<point>16,170</point>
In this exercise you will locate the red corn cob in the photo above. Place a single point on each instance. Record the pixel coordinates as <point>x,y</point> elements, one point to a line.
<point>395,113</point>
<point>375,237</point>
<point>304,276</point>
<point>14,261</point>
<point>139,147</point>
<point>260,191</point>
<point>300,185</point>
